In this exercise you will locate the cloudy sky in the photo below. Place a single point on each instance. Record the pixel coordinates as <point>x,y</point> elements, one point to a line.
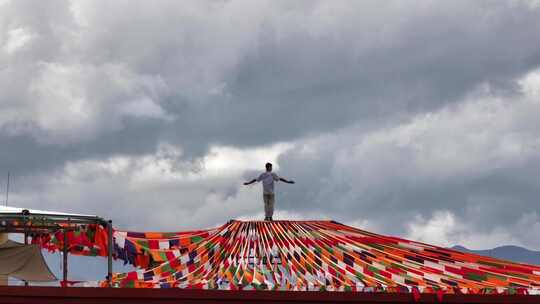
<point>419,120</point>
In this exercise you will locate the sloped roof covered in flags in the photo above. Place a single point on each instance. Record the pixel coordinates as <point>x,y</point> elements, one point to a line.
<point>307,255</point>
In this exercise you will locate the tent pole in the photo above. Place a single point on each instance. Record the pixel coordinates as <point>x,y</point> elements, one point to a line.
<point>26,243</point>
<point>4,279</point>
<point>65,258</point>
<point>109,252</point>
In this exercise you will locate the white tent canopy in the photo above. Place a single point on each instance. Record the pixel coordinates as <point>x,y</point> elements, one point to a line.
<point>24,262</point>
<point>19,210</point>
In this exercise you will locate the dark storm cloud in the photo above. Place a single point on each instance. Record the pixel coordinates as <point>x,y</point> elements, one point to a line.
<point>88,86</point>
<point>301,82</point>
<point>301,69</point>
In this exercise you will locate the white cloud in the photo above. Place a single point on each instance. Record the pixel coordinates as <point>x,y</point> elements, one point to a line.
<point>483,132</point>
<point>16,39</point>
<point>436,230</point>
<point>229,159</point>
<point>75,103</point>
<point>534,4</point>
<point>530,85</point>
<point>156,191</point>
<point>444,229</point>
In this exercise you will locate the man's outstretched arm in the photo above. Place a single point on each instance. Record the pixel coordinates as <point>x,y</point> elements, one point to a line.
<point>286,181</point>
<point>250,182</point>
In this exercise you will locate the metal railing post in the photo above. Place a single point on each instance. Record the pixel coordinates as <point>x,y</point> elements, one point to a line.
<point>109,252</point>
<point>65,258</point>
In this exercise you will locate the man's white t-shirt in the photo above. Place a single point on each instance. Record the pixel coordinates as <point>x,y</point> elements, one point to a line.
<point>268,179</point>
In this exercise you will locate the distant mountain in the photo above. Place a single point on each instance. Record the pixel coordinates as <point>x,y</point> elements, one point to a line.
<point>511,253</point>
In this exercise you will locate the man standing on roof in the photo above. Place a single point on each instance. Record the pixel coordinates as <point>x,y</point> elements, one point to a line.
<point>268,178</point>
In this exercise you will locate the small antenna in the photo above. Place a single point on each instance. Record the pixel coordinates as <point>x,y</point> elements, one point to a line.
<point>7,189</point>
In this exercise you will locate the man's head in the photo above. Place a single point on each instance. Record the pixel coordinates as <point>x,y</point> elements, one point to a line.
<point>268,167</point>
